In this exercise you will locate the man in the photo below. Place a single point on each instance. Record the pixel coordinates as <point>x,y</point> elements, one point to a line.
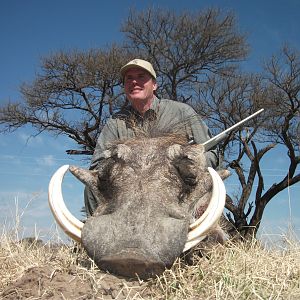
<point>148,113</point>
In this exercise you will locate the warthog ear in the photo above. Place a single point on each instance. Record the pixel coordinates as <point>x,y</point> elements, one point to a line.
<point>87,177</point>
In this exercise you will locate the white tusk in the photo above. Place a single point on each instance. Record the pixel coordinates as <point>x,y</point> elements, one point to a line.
<point>200,228</point>
<point>71,225</point>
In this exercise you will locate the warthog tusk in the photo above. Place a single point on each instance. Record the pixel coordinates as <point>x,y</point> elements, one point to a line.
<point>200,228</point>
<point>70,225</point>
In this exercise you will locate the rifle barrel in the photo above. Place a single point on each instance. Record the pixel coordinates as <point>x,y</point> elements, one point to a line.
<point>221,136</point>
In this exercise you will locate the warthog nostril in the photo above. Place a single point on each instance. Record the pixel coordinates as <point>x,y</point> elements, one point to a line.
<point>131,264</point>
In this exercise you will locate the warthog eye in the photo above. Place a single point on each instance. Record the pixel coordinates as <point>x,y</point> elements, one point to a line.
<point>190,180</point>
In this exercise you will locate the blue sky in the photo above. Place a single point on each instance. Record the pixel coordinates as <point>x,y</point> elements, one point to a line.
<point>33,29</point>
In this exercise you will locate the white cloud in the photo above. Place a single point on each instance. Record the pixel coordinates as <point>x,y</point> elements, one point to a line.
<point>46,160</point>
<point>9,160</point>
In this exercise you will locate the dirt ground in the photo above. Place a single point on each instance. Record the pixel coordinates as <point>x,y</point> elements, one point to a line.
<point>47,283</point>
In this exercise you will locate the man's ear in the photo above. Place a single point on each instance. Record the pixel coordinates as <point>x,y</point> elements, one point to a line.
<point>154,85</point>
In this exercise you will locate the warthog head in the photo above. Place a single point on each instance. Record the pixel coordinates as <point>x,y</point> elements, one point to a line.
<point>157,200</point>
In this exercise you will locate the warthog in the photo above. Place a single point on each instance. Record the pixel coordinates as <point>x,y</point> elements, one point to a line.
<point>158,199</point>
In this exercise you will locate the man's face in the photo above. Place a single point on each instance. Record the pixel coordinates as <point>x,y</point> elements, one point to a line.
<point>139,85</point>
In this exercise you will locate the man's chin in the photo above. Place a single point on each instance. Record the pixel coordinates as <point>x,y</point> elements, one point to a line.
<point>135,97</point>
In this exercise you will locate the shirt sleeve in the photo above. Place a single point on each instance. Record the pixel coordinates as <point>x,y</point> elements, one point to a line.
<point>200,134</point>
<point>108,134</point>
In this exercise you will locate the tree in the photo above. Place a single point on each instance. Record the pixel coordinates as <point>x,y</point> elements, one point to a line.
<point>229,99</point>
<point>73,95</point>
<point>185,49</point>
<point>224,102</point>
<point>283,103</point>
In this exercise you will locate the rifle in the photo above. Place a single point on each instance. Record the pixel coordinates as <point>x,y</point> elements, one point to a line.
<point>221,136</point>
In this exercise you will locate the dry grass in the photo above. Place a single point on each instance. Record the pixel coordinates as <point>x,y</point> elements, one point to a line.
<point>233,271</point>
<point>237,271</point>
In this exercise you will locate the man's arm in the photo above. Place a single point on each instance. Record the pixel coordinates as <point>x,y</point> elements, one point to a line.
<point>201,134</point>
<point>108,134</point>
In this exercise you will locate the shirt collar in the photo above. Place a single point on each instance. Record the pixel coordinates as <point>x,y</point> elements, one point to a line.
<point>154,107</point>
<point>155,104</point>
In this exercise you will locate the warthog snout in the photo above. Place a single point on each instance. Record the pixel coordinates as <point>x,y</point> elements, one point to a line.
<point>128,242</point>
<point>130,263</point>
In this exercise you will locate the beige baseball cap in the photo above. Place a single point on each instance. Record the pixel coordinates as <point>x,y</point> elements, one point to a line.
<point>138,63</point>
